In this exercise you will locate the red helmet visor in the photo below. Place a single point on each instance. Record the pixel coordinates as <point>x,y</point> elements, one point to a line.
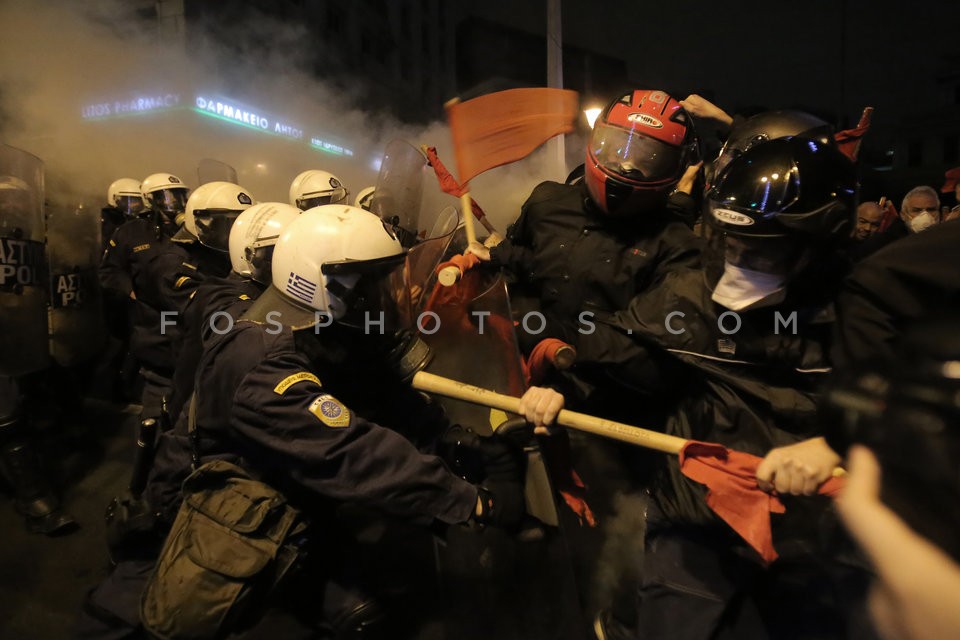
<point>635,157</point>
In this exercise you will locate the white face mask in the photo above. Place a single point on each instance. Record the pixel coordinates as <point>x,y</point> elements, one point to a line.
<point>920,222</point>
<point>741,288</point>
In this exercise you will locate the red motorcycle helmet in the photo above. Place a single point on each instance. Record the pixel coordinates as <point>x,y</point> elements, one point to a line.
<point>642,143</point>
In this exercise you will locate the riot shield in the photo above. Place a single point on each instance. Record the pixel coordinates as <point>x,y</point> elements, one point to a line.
<point>76,318</point>
<point>399,191</point>
<point>423,257</point>
<point>496,585</point>
<point>23,288</point>
<point>210,170</point>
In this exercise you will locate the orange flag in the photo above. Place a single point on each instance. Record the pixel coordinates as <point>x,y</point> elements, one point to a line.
<point>503,127</point>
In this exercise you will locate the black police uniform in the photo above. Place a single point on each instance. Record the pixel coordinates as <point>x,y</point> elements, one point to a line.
<point>202,319</point>
<point>299,412</point>
<point>128,265</point>
<point>305,424</point>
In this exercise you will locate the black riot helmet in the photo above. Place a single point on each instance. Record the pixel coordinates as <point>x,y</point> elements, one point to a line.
<point>791,187</point>
<point>907,411</point>
<point>766,126</point>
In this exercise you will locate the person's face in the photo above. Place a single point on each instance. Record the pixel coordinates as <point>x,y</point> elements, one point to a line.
<point>768,255</point>
<point>869,215</point>
<point>921,203</point>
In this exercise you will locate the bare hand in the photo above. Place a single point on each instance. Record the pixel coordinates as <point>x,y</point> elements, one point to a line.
<point>702,108</point>
<point>914,596</point>
<point>133,296</point>
<point>798,469</point>
<point>540,406</point>
<point>493,240</point>
<point>689,178</point>
<point>479,250</point>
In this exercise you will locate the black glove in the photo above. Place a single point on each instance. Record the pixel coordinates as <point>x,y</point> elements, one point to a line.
<point>481,458</point>
<point>501,505</point>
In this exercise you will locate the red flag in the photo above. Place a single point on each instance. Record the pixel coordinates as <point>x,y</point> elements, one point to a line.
<point>503,127</point>
<point>848,140</point>
<point>449,184</point>
<point>952,177</point>
<point>731,477</point>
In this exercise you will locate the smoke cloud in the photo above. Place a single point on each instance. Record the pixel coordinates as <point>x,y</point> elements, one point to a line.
<point>97,93</point>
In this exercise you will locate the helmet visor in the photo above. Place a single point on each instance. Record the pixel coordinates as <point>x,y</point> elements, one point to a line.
<point>170,200</point>
<point>375,293</point>
<point>260,259</point>
<point>634,156</point>
<point>318,199</point>
<point>776,256</point>
<point>758,189</point>
<point>131,206</point>
<point>213,226</point>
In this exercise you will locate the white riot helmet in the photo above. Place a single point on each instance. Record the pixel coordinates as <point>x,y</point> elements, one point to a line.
<point>315,188</point>
<point>210,213</point>
<point>166,194</point>
<point>337,262</point>
<point>364,198</point>
<point>254,235</point>
<point>124,194</point>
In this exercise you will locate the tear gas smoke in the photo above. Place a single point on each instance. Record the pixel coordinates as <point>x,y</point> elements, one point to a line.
<point>98,93</point>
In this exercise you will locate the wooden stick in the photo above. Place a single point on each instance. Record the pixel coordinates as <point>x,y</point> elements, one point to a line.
<point>431,383</point>
<point>468,217</point>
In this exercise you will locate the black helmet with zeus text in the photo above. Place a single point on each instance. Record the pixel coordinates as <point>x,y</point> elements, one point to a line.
<point>337,263</point>
<point>775,207</point>
<point>642,143</point>
<point>787,187</point>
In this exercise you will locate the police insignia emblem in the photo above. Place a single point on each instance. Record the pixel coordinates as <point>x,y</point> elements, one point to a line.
<point>330,411</point>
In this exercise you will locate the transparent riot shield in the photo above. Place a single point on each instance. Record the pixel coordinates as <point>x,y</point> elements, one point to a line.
<point>76,319</point>
<point>210,170</point>
<point>23,280</point>
<point>399,191</point>
<point>496,585</point>
<point>423,257</point>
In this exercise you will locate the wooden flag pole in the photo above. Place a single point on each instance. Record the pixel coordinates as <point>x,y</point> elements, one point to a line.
<point>431,383</point>
<point>468,217</point>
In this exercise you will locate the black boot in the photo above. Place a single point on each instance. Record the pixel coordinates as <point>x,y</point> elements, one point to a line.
<point>33,497</point>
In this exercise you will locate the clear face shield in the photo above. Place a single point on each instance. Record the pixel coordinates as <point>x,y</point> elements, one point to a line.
<point>372,295</point>
<point>320,198</point>
<point>130,206</point>
<point>259,257</point>
<point>170,202</point>
<point>213,227</point>
<point>634,156</point>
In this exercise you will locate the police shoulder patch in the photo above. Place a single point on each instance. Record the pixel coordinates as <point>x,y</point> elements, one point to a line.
<point>291,380</point>
<point>330,411</point>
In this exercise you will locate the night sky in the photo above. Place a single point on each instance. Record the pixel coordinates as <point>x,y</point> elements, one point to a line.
<point>775,54</point>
